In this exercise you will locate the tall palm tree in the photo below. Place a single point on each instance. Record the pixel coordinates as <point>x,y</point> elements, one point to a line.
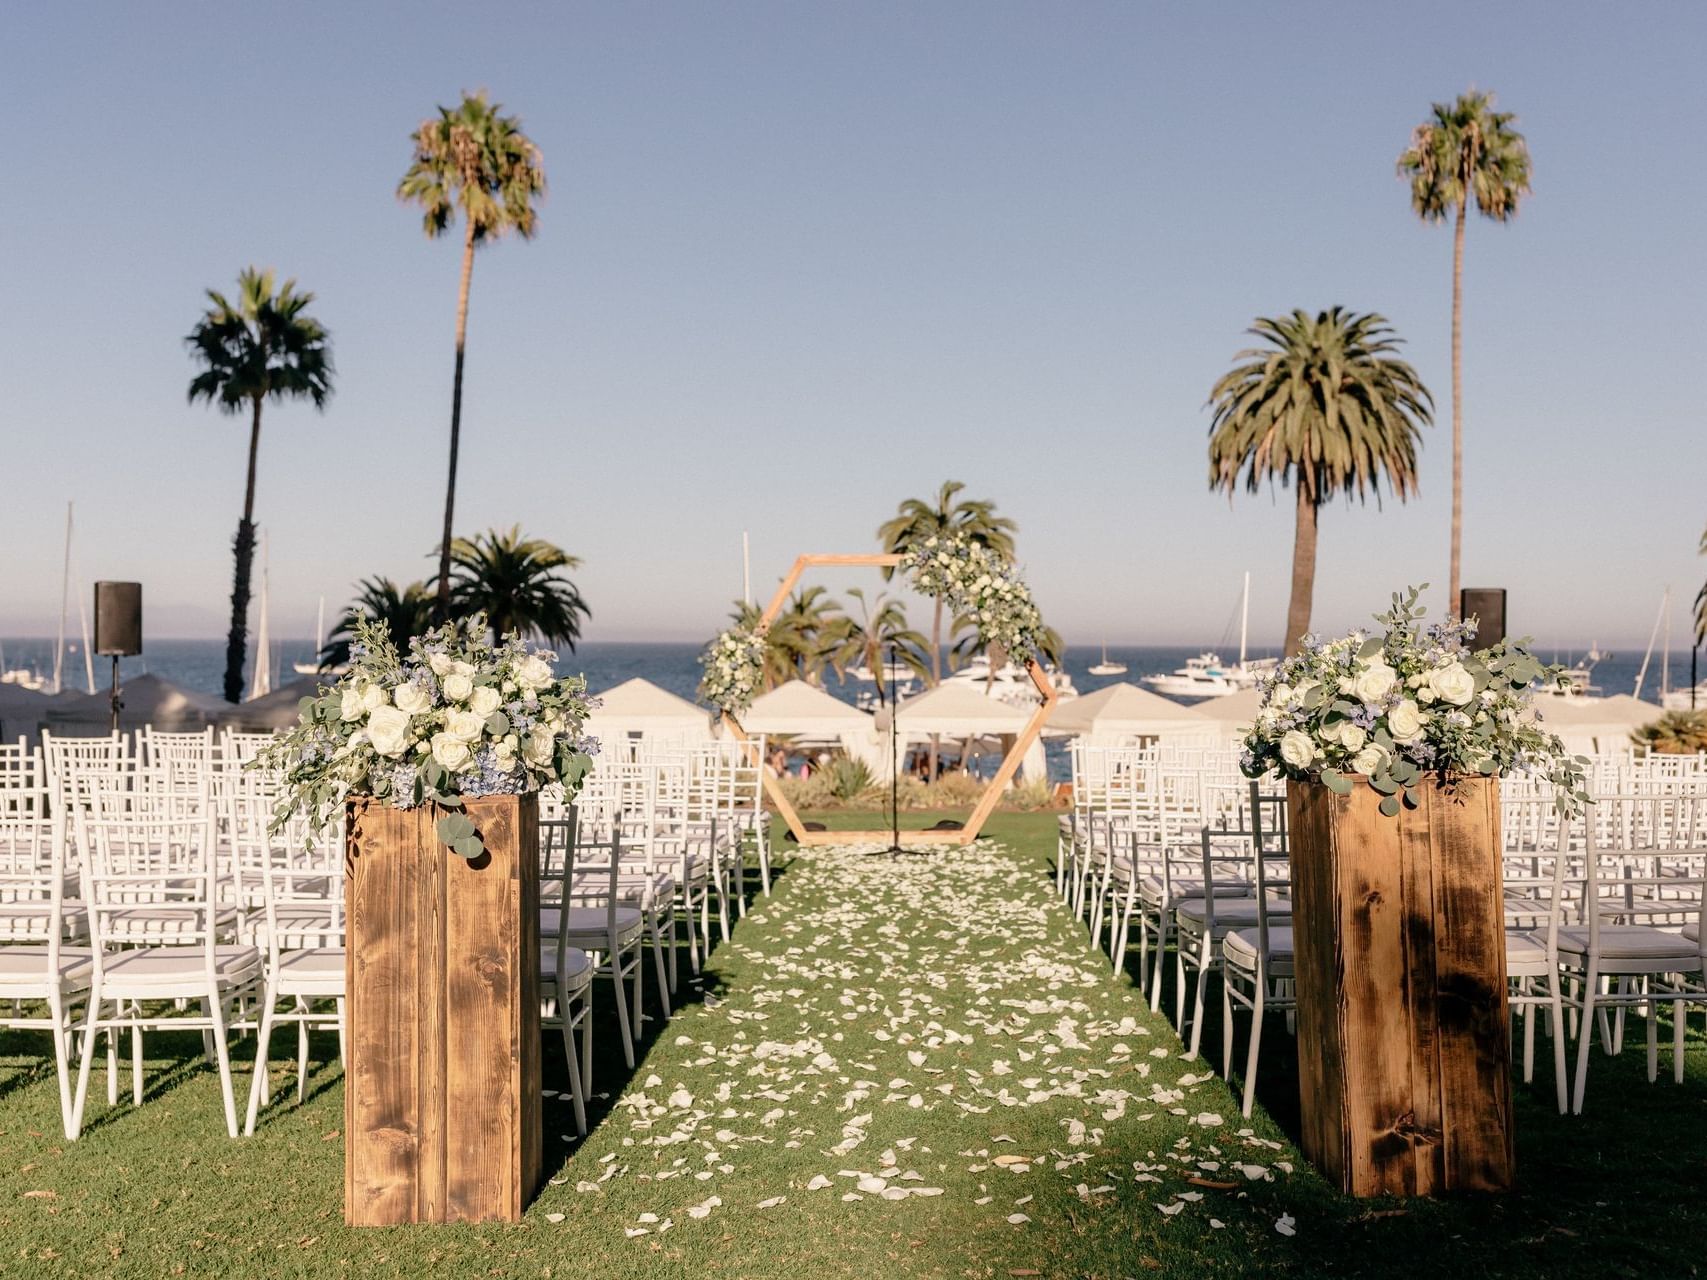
<point>881,621</point>
<point>1701,602</point>
<point>918,519</point>
<point>472,159</point>
<point>261,346</point>
<point>406,612</point>
<point>514,581</point>
<point>1464,151</point>
<point>1326,407</point>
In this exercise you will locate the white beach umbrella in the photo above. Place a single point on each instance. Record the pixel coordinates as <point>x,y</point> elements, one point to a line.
<point>638,708</point>
<point>1125,710</point>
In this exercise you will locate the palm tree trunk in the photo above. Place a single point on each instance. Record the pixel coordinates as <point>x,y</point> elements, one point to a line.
<point>442,609</point>
<point>936,679</point>
<point>1454,580</point>
<point>1303,569</point>
<point>237,639</point>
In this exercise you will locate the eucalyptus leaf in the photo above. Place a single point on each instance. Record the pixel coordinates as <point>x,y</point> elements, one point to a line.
<point>453,827</point>
<point>1390,806</point>
<point>468,847</point>
<point>1336,782</point>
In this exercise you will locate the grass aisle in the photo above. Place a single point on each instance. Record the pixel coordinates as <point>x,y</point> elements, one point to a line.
<point>913,1068</point>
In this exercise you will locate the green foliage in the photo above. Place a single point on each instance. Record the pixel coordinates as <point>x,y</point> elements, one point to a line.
<point>1676,733</point>
<point>1325,405</point>
<point>262,346</point>
<point>514,581</point>
<point>1466,150</point>
<point>846,776</point>
<point>475,160</point>
<point>404,613</point>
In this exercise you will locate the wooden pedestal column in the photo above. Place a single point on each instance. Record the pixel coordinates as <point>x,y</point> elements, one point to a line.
<point>1403,1037</point>
<point>441,1097</point>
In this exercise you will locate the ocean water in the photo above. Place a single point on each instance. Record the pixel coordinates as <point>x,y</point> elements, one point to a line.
<point>200,664</point>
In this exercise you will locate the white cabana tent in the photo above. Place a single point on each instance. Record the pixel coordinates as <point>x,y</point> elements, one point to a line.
<point>1595,726</point>
<point>1232,715</point>
<point>637,709</point>
<point>955,710</point>
<point>1124,711</point>
<point>21,710</point>
<point>148,700</point>
<point>276,710</point>
<point>806,713</point>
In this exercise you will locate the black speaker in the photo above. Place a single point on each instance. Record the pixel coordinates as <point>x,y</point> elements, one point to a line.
<point>1487,606</point>
<point>118,618</point>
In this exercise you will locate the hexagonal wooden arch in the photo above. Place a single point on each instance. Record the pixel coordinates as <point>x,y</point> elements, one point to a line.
<point>992,791</point>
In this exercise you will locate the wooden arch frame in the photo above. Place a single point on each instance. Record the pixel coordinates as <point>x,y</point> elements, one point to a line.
<point>992,790</point>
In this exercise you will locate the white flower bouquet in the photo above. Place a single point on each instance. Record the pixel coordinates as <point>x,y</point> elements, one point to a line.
<point>459,717</point>
<point>734,669</point>
<point>978,585</point>
<point>1411,700</point>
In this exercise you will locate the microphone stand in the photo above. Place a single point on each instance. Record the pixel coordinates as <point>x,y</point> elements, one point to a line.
<point>895,848</point>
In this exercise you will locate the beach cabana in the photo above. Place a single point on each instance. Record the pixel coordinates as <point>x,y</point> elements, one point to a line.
<point>639,711</point>
<point>148,700</point>
<point>955,710</point>
<point>1233,715</point>
<point>1595,726</point>
<point>275,710</point>
<point>810,716</point>
<point>1124,712</point>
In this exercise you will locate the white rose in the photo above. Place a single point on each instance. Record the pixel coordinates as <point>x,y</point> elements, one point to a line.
<point>373,697</point>
<point>464,726</point>
<point>450,751</point>
<point>350,704</point>
<point>484,700</point>
<point>1376,682</point>
<point>388,730</point>
<point>440,664</point>
<point>538,747</point>
<point>504,754</point>
<point>1352,737</point>
<point>457,686</point>
<point>532,672</point>
<point>1453,684</point>
<point>1347,684</point>
<point>1369,760</point>
<point>411,699</point>
<point>1405,722</point>
<point>1297,749</point>
<point>1280,697</point>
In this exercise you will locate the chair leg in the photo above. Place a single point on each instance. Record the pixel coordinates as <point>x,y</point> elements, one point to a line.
<point>1528,1033</point>
<point>61,1060</point>
<point>1677,1020</point>
<point>621,998</point>
<point>1585,1038</point>
<point>1258,990</point>
<point>89,1037</point>
<point>577,1094</point>
<point>1204,960</point>
<point>1561,1080</point>
<point>1652,1021</point>
<point>258,1084</point>
<point>301,1052</point>
<point>223,1050</point>
<point>662,969</point>
<point>113,1034</point>
<point>342,1061</point>
<point>136,1058</point>
<point>637,971</point>
<point>1226,1022</point>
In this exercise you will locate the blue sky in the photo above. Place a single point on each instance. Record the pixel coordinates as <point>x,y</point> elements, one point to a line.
<point>801,261</point>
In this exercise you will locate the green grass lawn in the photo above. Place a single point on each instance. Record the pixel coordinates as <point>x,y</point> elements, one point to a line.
<point>938,1023</point>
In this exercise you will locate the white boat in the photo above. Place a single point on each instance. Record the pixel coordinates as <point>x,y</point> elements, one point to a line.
<point>1107,668</point>
<point>1009,683</point>
<point>1686,699</point>
<point>1206,676</point>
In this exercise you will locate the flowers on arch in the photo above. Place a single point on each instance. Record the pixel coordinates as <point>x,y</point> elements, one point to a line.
<point>1389,706</point>
<point>734,666</point>
<point>979,585</point>
<point>458,717</point>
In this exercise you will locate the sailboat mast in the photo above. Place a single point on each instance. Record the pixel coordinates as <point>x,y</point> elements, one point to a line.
<point>746,569</point>
<point>64,606</point>
<point>1665,649</point>
<point>1244,618</point>
<point>1652,636</point>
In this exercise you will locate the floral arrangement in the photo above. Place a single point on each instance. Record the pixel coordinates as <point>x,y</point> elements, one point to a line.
<point>979,585</point>
<point>459,717</point>
<point>1412,699</point>
<point>734,669</point>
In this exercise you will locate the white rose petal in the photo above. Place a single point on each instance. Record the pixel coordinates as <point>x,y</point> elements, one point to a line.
<point>1375,682</point>
<point>484,701</point>
<point>411,699</point>
<point>457,687</point>
<point>465,725</point>
<point>1404,722</point>
<point>1452,684</point>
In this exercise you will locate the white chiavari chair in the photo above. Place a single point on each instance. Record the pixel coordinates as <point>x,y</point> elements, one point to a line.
<point>566,971</point>
<point>1257,969</point>
<point>161,936</point>
<point>38,966</point>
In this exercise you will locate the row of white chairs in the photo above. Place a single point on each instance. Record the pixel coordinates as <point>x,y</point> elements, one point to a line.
<point>1603,913</point>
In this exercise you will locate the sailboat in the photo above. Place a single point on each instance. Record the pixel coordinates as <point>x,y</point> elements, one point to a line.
<point>312,667</point>
<point>82,617</point>
<point>1206,676</point>
<point>1107,668</point>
